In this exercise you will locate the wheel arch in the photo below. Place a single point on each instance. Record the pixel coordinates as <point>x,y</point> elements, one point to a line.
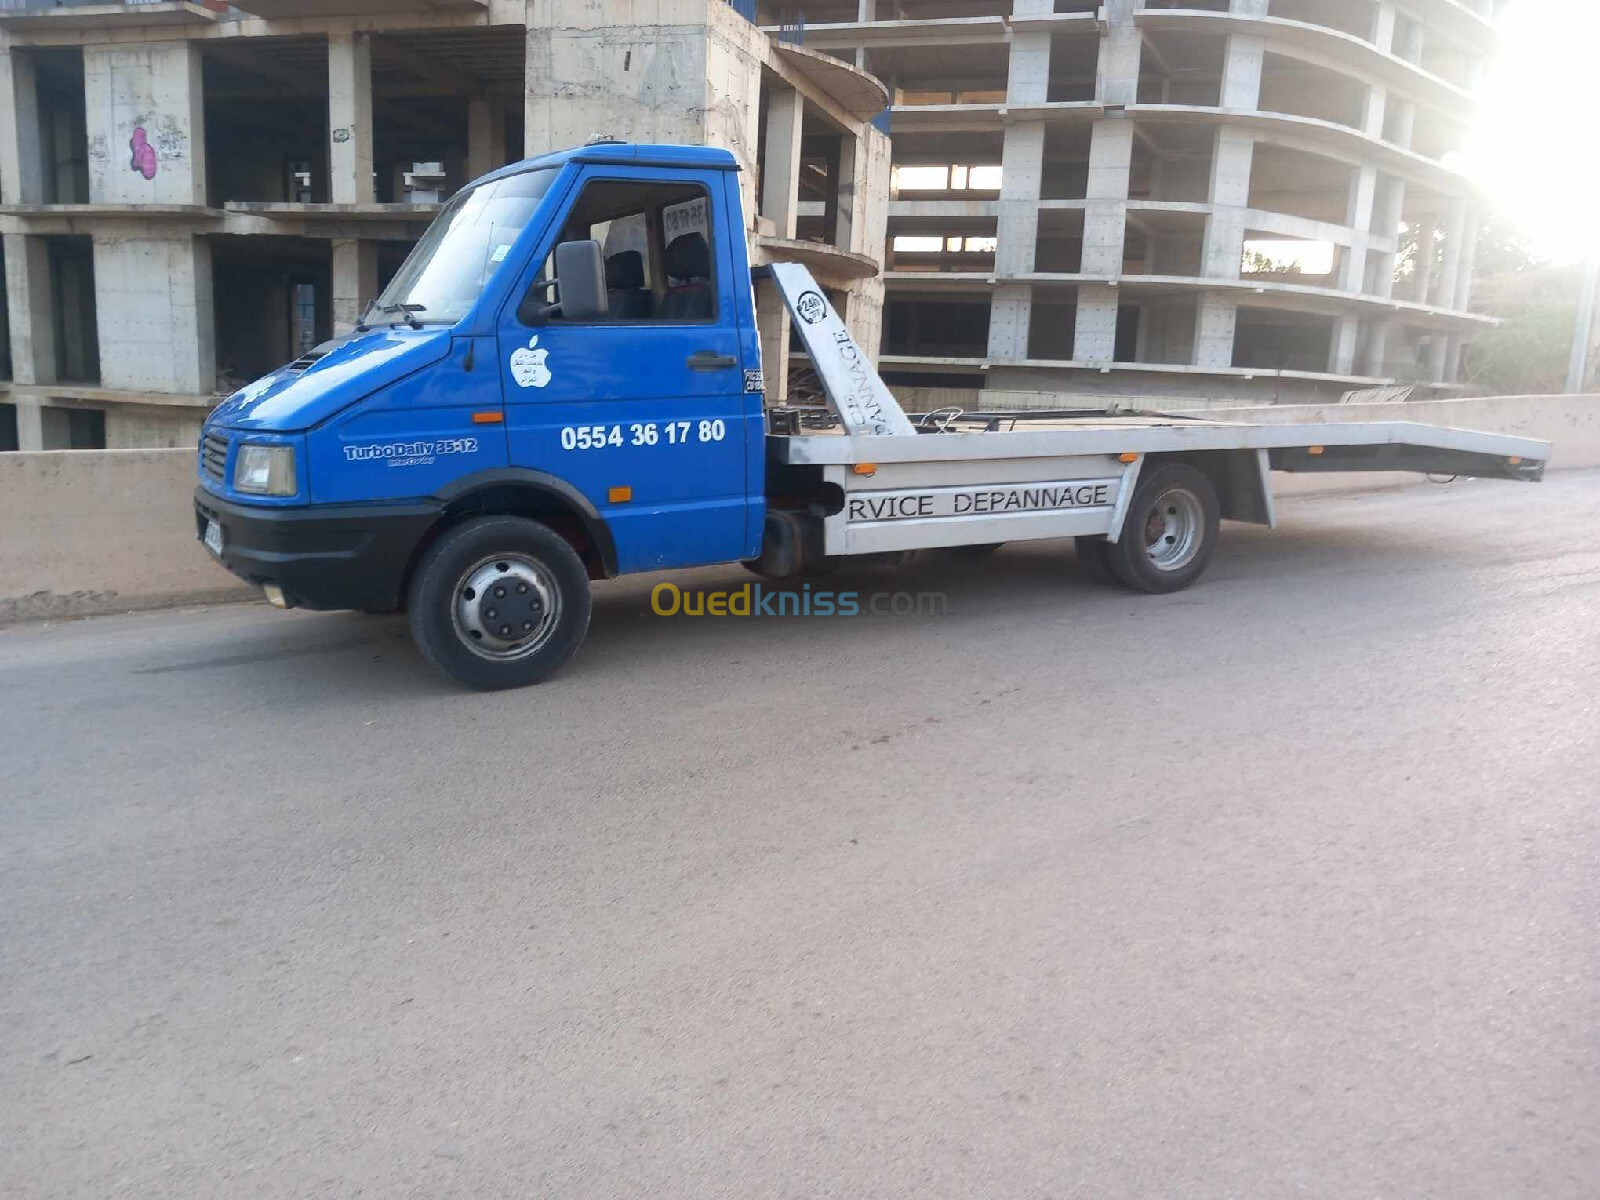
<point>518,492</point>
<point>1242,479</point>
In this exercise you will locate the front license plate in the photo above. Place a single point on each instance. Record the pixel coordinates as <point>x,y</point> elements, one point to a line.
<point>213,538</point>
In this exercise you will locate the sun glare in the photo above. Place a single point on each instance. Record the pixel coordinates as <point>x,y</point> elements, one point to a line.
<point>1533,149</point>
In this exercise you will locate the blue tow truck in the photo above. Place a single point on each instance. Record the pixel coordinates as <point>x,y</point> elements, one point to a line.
<point>563,384</point>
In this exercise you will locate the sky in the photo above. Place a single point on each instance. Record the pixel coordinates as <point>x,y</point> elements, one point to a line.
<point>1536,147</point>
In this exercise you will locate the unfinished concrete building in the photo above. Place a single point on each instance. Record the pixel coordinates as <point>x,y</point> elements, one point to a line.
<point>195,193</point>
<point>1239,199</point>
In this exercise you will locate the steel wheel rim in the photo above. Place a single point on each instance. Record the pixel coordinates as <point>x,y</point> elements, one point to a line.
<point>1173,528</point>
<point>506,607</point>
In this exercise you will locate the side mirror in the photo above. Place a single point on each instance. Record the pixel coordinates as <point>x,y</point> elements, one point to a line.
<point>581,282</point>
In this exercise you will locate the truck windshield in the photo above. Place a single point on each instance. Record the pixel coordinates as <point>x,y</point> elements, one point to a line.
<point>463,248</point>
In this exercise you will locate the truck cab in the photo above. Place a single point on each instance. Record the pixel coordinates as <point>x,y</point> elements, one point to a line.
<point>561,384</point>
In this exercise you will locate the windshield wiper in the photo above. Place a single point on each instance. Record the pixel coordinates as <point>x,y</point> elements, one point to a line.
<point>408,311</point>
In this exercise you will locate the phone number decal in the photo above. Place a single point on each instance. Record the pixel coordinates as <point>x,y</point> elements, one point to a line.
<point>669,433</point>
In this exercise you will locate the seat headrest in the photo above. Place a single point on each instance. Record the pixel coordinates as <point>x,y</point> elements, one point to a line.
<point>689,257</point>
<point>625,270</point>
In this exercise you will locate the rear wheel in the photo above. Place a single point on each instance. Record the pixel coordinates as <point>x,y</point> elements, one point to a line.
<point>1170,532</point>
<point>499,602</point>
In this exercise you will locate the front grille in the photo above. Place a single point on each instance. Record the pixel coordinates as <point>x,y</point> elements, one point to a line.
<point>214,456</point>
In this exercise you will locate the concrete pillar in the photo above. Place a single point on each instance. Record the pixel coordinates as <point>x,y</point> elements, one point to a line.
<point>1214,328</point>
<point>1028,81</point>
<point>1408,44</point>
<point>780,171</point>
<point>1358,216</point>
<point>1383,23</point>
<point>1342,352</point>
<point>1222,251</point>
<point>355,281</point>
<point>848,168</point>
<point>350,118</point>
<point>1105,225</point>
<point>146,123</point>
<point>1439,356</point>
<point>31,309</point>
<point>153,296</point>
<point>1232,161</point>
<point>1363,195</point>
<point>1374,111</point>
<point>1427,250</point>
<point>21,160</point>
<point>1105,217</point>
<point>1387,208</point>
<point>1117,76</point>
<point>1241,72</point>
<point>679,73</point>
<point>30,425</point>
<point>486,136</point>
<point>772,319</point>
<point>869,201</point>
<point>1375,353</point>
<point>1455,244</point>
<point>1021,177</point>
<point>1010,322</point>
<point>1403,125</point>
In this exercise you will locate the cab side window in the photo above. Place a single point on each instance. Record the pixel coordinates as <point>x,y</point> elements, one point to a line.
<point>656,241</point>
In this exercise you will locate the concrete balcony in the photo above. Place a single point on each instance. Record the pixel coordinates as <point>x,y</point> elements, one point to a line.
<point>273,9</point>
<point>1319,45</point>
<point>51,16</point>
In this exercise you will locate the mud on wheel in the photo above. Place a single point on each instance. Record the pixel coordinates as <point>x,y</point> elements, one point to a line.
<point>1170,532</point>
<point>499,602</point>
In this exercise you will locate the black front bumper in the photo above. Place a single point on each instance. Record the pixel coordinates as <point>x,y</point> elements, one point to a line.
<point>350,556</point>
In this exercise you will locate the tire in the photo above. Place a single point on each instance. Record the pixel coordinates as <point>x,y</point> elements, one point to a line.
<point>1170,532</point>
<point>454,589</point>
<point>982,550</point>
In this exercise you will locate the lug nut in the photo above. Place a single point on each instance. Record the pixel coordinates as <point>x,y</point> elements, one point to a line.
<point>522,589</point>
<point>527,625</point>
<point>505,631</point>
<point>499,593</point>
<point>493,613</point>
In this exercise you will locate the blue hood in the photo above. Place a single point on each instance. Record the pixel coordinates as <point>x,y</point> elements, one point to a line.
<point>292,399</point>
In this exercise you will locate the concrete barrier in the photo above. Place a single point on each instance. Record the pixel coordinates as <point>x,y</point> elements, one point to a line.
<point>94,531</point>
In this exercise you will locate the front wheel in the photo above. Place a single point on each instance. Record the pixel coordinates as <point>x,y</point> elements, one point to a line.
<point>499,602</point>
<point>1170,532</point>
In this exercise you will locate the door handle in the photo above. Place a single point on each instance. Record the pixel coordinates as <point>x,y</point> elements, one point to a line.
<point>710,360</point>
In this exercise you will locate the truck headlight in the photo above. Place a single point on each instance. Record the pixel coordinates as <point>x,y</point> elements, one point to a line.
<point>265,470</point>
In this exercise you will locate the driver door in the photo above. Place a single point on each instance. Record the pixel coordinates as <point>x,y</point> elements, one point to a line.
<point>644,410</point>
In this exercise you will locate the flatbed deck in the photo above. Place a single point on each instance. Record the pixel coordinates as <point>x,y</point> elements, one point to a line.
<point>956,479</point>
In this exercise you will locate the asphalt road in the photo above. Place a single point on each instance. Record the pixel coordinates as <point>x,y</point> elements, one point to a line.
<point>1284,886</point>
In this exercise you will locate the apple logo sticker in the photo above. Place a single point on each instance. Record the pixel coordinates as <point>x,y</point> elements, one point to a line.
<point>528,366</point>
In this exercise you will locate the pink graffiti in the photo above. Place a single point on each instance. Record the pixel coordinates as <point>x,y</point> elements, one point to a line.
<point>145,160</point>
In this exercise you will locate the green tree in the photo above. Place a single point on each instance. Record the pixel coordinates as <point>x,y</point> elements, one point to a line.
<point>1537,304</point>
